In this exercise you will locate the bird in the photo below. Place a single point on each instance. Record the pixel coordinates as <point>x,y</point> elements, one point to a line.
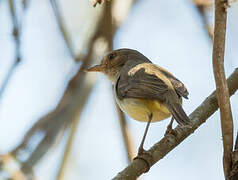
<point>143,90</point>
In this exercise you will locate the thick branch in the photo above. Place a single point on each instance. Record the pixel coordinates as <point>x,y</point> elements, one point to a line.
<point>221,84</point>
<point>169,142</point>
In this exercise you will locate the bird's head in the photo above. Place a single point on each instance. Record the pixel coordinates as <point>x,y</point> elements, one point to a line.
<point>114,61</point>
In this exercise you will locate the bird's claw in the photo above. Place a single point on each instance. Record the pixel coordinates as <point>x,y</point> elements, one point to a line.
<point>146,157</point>
<point>170,130</point>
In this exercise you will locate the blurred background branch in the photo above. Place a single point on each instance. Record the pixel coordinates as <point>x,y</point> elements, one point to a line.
<point>203,7</point>
<point>13,169</point>
<point>104,27</point>
<point>66,114</point>
<point>62,28</point>
<point>16,32</point>
<point>25,3</point>
<point>67,110</point>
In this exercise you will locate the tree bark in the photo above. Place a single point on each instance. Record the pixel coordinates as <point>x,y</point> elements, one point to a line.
<point>221,84</point>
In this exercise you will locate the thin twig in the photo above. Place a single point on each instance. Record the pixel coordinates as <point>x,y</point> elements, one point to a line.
<point>221,84</point>
<point>16,29</point>
<point>16,35</point>
<point>202,9</point>
<point>61,25</point>
<point>170,141</point>
<point>25,4</point>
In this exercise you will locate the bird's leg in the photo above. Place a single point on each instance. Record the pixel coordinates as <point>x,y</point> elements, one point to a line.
<point>142,154</point>
<point>141,149</point>
<point>170,127</point>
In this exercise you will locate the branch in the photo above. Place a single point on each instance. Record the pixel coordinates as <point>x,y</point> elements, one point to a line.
<point>106,30</point>
<point>169,142</point>
<point>105,19</point>
<point>69,106</point>
<point>221,84</point>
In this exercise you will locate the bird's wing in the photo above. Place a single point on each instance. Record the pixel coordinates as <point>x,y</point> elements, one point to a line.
<point>140,84</point>
<point>177,84</point>
<point>147,82</point>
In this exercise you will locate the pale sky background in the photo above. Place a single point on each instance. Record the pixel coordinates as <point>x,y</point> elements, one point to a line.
<point>170,33</point>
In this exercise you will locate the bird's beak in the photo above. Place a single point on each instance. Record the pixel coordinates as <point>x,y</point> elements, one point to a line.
<point>97,68</point>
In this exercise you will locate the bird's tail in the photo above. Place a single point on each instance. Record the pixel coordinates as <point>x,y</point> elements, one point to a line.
<point>178,113</point>
<point>175,107</point>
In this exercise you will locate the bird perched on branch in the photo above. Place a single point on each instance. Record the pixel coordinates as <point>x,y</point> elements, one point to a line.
<point>143,90</point>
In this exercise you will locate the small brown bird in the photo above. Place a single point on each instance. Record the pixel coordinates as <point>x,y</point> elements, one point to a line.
<point>143,90</point>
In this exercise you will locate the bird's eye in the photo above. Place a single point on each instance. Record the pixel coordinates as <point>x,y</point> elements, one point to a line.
<point>111,56</point>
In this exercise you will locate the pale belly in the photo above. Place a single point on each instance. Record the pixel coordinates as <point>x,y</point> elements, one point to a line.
<point>140,109</point>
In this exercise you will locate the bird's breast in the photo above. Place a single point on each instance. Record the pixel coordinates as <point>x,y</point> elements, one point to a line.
<point>140,109</point>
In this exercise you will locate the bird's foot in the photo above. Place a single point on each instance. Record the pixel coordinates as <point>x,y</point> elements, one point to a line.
<point>146,157</point>
<point>170,130</point>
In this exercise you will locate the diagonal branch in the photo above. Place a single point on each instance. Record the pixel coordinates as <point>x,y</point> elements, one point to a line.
<point>169,142</point>
<point>221,84</point>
